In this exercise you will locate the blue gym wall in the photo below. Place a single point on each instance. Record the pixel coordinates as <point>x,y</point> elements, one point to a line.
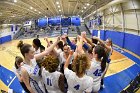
<point>124,40</point>
<point>95,33</point>
<point>6,33</point>
<point>117,37</point>
<point>5,39</point>
<point>132,43</point>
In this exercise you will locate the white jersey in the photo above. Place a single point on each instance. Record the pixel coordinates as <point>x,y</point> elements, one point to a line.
<point>110,52</point>
<point>62,59</point>
<point>17,70</point>
<point>95,72</point>
<point>37,51</point>
<point>34,78</point>
<point>76,84</point>
<point>59,51</point>
<point>51,81</point>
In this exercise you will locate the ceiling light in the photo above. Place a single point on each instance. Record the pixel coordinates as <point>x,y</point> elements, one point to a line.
<point>45,16</point>
<point>15,1</point>
<point>57,2</point>
<point>85,7</point>
<point>39,12</point>
<point>59,6</point>
<point>87,4</point>
<point>35,9</point>
<point>59,10</point>
<point>82,11</point>
<point>31,7</point>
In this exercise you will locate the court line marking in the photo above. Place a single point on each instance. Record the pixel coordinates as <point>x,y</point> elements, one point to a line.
<point>127,58</point>
<point>12,81</point>
<point>120,70</point>
<point>119,60</point>
<point>124,50</point>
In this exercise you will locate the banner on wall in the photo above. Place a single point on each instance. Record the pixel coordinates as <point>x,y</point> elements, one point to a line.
<point>42,22</point>
<point>75,21</point>
<point>55,21</point>
<point>65,22</point>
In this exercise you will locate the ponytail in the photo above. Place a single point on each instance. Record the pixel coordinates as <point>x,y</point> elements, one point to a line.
<point>18,60</point>
<point>60,45</point>
<point>79,67</point>
<point>80,64</point>
<point>24,48</point>
<point>20,44</point>
<point>100,51</point>
<point>103,63</point>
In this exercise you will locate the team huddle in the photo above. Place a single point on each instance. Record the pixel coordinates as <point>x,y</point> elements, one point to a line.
<point>75,65</point>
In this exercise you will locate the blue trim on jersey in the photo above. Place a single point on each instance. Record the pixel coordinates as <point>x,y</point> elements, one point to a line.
<point>36,85</point>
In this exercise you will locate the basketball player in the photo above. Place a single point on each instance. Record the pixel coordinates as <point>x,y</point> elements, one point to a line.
<point>30,69</point>
<point>98,65</point>
<point>53,80</point>
<point>78,81</point>
<point>17,71</point>
<point>108,50</point>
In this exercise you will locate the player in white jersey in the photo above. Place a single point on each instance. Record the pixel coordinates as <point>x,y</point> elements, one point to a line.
<point>78,81</point>
<point>34,78</point>
<point>108,48</point>
<point>37,46</point>
<point>59,47</point>
<point>30,69</point>
<point>63,56</point>
<point>17,71</point>
<point>98,65</point>
<point>53,80</point>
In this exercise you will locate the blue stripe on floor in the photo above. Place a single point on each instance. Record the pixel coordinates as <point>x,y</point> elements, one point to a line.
<point>15,85</point>
<point>7,76</point>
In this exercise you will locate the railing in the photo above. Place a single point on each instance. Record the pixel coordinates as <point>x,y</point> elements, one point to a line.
<point>78,30</point>
<point>88,29</point>
<point>19,33</point>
